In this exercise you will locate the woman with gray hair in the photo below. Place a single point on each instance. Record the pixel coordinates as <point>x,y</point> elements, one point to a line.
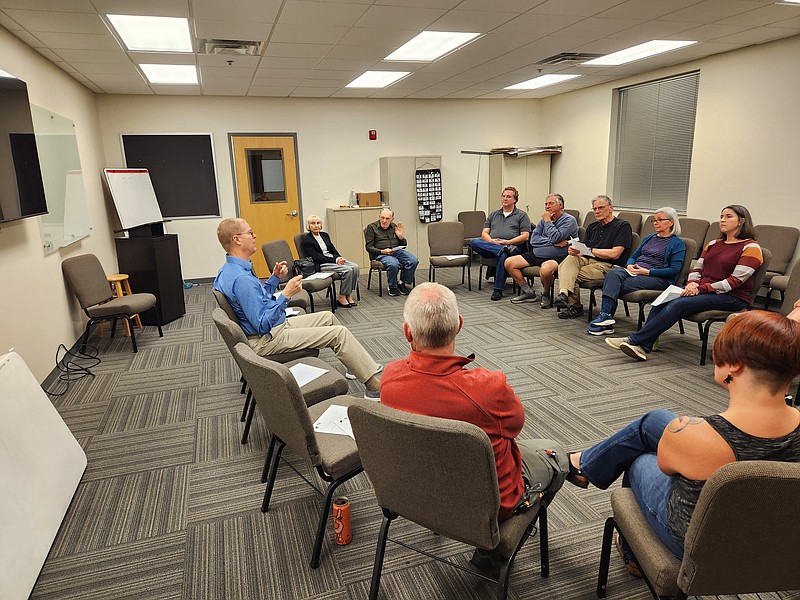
<point>318,245</point>
<point>654,265</point>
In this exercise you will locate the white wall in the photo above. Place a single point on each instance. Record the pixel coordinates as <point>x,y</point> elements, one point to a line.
<point>38,313</point>
<point>746,135</point>
<point>333,148</point>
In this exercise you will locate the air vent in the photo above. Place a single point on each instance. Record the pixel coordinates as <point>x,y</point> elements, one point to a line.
<point>568,57</point>
<point>233,47</point>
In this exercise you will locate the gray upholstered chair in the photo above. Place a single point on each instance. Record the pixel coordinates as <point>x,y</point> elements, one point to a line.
<point>291,424</point>
<point>575,213</point>
<point>782,242</point>
<point>490,263</point>
<point>647,227</point>
<point>326,386</point>
<point>695,229</point>
<point>298,244</point>
<point>279,251</point>
<point>88,282</point>
<point>589,219</point>
<point>378,267</point>
<point>473,221</point>
<point>712,234</point>
<point>597,284</point>
<point>643,297</point>
<point>440,474</point>
<point>743,538</point>
<point>788,286</point>
<point>533,271</point>
<point>634,218</point>
<point>705,319</point>
<point>446,239</point>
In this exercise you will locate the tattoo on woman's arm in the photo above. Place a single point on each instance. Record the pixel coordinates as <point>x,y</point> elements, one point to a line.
<point>680,423</point>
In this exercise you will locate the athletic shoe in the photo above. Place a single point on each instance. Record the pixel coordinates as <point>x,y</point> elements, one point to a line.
<point>497,295</point>
<point>401,287</point>
<point>547,301</point>
<point>603,319</point>
<point>601,330</point>
<point>394,292</point>
<point>561,300</point>
<point>571,312</point>
<point>350,376</point>
<point>616,343</point>
<point>524,297</point>
<point>633,351</point>
<point>372,395</point>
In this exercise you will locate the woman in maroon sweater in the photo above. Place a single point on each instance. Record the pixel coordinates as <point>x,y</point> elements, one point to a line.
<point>721,280</point>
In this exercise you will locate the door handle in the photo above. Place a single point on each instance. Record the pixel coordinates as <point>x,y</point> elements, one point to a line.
<point>292,214</point>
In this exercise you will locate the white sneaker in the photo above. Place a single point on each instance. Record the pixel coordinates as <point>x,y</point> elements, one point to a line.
<point>616,343</point>
<point>633,351</point>
<point>523,297</point>
<point>350,376</point>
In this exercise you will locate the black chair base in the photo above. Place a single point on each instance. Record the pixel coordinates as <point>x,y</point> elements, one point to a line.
<point>113,318</point>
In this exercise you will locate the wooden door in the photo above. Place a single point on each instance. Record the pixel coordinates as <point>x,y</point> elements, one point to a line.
<point>267,189</point>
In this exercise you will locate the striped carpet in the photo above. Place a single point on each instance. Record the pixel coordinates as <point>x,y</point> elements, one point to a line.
<point>169,506</point>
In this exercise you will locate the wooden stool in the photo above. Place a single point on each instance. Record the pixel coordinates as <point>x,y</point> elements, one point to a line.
<point>120,286</point>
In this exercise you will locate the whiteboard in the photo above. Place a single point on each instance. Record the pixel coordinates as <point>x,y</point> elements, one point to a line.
<point>133,196</point>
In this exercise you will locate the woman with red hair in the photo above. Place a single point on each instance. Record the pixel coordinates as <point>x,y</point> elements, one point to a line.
<point>666,459</point>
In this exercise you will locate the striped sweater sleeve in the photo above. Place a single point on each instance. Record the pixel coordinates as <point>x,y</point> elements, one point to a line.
<point>697,271</point>
<point>750,259</point>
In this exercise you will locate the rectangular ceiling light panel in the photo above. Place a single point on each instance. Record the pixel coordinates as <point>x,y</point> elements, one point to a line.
<point>540,82</point>
<point>172,74</point>
<point>639,52</point>
<point>430,45</point>
<point>153,34</point>
<point>377,79</point>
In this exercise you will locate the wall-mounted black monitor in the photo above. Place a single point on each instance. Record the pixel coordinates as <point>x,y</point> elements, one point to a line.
<point>21,187</point>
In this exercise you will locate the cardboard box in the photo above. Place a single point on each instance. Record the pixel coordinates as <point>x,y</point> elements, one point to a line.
<point>369,198</point>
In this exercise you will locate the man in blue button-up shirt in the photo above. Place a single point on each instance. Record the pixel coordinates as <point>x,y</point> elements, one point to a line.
<point>262,312</point>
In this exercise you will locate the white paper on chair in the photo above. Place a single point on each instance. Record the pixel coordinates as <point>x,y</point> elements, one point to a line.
<point>454,256</point>
<point>580,247</point>
<point>396,248</point>
<point>305,374</point>
<point>291,312</point>
<point>668,295</point>
<point>316,276</point>
<point>334,420</point>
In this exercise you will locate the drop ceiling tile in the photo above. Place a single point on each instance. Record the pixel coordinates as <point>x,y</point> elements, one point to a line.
<point>319,34</point>
<point>428,94</point>
<point>210,73</point>
<point>176,90</point>
<point>350,93</point>
<point>496,94</point>
<point>460,94</point>
<point>262,11</point>
<point>757,35</point>
<point>275,91</point>
<point>78,41</point>
<point>389,39</point>
<point>517,6</point>
<point>225,87</point>
<point>278,73</point>
<point>50,55</point>
<point>302,12</point>
<point>471,21</point>
<point>598,27</point>
<point>356,52</point>
<point>650,30</point>
<point>276,82</point>
<point>103,79</point>
<point>99,56</point>
<point>65,67</point>
<point>221,60</point>
<point>395,17</point>
<point>299,50</point>
<point>645,9</point>
<point>531,27</point>
<point>84,6</point>
<point>232,30</point>
<point>791,22</point>
<point>8,23</point>
<point>154,8</point>
<point>707,33</point>
<point>765,15</point>
<point>161,58</point>
<point>445,4</point>
<point>90,69</point>
<point>312,92</point>
<point>578,8</point>
<point>336,64</point>
<point>32,40</point>
<point>712,10</point>
<point>277,62</point>
<point>38,20</point>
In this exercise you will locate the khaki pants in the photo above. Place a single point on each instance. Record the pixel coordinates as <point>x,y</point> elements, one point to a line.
<point>317,330</point>
<point>574,270</point>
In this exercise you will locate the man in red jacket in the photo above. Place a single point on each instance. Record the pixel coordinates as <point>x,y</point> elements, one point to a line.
<point>434,381</point>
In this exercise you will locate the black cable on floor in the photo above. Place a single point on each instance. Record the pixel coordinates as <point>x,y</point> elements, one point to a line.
<point>70,367</point>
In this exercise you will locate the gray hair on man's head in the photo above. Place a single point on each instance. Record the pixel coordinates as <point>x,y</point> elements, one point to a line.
<point>558,197</point>
<point>431,313</point>
<point>672,215</point>
<point>602,197</point>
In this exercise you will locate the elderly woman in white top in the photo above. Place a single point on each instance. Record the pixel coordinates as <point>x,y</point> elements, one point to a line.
<point>318,246</point>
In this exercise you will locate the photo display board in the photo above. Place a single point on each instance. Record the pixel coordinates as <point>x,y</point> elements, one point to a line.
<point>429,195</point>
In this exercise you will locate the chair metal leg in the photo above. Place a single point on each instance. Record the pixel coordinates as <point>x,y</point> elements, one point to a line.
<point>605,556</point>
<point>85,339</point>
<point>332,294</point>
<point>480,276</point>
<point>469,278</point>
<point>273,470</point>
<point>323,517</point>
<point>131,327</point>
<point>158,322</point>
<point>431,273</point>
<point>380,285</point>
<point>311,300</point>
<point>267,460</point>
<point>380,550</point>
<point>704,335</point>
<point>246,403</point>
<point>244,385</point>
<point>627,310</point>
<point>544,547</point>
<point>248,421</point>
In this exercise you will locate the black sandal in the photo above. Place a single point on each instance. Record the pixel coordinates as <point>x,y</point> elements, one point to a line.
<point>575,475</point>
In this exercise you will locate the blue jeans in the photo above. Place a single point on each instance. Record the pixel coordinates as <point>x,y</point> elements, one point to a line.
<point>401,259</point>
<point>632,451</point>
<point>664,316</point>
<point>498,252</point>
<point>619,282</point>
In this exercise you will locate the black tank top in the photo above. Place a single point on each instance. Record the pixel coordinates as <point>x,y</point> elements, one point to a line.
<point>685,492</point>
